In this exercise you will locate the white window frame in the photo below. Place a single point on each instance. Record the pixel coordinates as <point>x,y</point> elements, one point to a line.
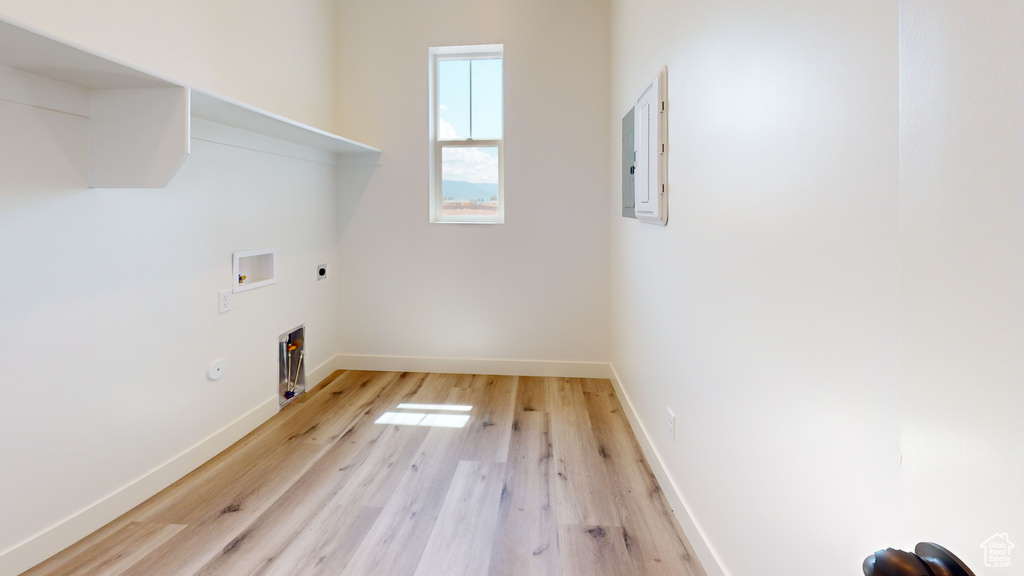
<point>480,52</point>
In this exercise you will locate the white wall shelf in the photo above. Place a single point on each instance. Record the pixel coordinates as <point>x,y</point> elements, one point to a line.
<point>139,123</point>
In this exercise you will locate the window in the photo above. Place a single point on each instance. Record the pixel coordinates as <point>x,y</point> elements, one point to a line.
<point>466,134</point>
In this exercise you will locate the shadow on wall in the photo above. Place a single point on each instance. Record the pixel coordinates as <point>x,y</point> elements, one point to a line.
<point>352,184</point>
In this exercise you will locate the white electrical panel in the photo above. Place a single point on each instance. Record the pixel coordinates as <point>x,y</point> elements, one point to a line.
<point>650,194</point>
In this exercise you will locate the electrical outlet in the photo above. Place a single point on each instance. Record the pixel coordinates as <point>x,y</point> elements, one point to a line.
<point>224,301</point>
<point>671,425</point>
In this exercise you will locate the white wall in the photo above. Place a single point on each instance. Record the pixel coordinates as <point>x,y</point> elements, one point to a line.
<point>772,322</point>
<point>533,288</point>
<point>109,319</point>
<point>962,232</point>
<point>107,298</point>
<point>273,54</point>
<point>839,285</point>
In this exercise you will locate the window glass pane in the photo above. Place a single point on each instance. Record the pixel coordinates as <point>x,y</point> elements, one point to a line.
<point>469,181</point>
<point>453,99</point>
<point>486,75</point>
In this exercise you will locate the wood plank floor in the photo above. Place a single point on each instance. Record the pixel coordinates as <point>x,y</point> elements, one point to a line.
<point>545,478</point>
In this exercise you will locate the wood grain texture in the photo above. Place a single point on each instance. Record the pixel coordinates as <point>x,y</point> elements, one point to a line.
<point>460,543</point>
<point>526,541</point>
<point>377,471</point>
<point>229,522</point>
<point>581,482</point>
<point>490,423</point>
<point>261,542</point>
<point>397,540</point>
<point>120,550</point>
<point>651,534</point>
<point>532,393</point>
<point>545,478</point>
<point>326,544</point>
<point>594,551</point>
<point>596,386</point>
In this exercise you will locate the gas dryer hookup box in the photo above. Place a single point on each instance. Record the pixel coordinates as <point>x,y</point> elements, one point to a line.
<point>650,123</point>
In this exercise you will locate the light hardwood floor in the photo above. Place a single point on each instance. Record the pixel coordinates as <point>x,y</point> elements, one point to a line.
<point>545,478</point>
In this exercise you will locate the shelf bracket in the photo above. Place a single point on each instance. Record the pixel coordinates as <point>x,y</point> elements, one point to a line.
<point>139,137</point>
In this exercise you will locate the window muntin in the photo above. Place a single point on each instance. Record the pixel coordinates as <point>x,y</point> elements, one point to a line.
<point>466,135</point>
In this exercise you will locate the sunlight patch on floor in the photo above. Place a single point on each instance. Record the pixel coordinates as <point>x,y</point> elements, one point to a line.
<point>425,419</point>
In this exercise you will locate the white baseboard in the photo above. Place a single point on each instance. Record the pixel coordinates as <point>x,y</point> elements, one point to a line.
<point>34,550</point>
<point>317,376</point>
<point>474,366</point>
<point>705,553</point>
